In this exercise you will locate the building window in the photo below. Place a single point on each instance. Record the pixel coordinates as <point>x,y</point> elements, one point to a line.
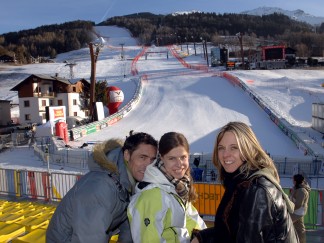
<point>74,102</point>
<point>51,102</point>
<point>26,103</point>
<point>75,113</point>
<point>43,102</point>
<point>50,89</point>
<point>86,102</point>
<point>74,89</point>
<point>27,117</point>
<point>60,102</point>
<point>44,116</point>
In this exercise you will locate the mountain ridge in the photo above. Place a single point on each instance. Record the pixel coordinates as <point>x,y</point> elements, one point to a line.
<point>298,14</point>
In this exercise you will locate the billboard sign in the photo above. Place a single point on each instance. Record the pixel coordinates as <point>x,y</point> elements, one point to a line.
<point>57,113</point>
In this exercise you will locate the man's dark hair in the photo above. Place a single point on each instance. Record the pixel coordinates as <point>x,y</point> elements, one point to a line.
<point>135,139</point>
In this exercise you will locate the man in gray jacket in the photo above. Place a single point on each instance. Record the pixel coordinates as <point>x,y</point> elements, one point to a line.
<point>94,209</point>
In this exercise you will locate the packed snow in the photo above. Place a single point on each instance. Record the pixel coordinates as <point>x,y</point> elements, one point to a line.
<point>196,103</point>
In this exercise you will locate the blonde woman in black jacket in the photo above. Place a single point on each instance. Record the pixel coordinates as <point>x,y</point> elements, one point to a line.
<point>254,208</point>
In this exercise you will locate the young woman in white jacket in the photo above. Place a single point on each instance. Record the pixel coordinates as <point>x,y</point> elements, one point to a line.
<point>161,209</point>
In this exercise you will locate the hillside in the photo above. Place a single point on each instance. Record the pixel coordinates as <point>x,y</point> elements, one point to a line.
<point>196,25</point>
<point>196,103</point>
<point>48,41</point>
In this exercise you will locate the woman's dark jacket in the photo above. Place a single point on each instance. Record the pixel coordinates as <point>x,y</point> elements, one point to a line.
<point>252,210</point>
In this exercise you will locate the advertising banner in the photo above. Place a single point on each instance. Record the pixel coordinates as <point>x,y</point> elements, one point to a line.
<point>209,197</point>
<point>57,113</point>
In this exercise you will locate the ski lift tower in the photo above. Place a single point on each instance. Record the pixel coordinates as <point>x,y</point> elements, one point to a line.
<point>71,65</point>
<point>98,44</point>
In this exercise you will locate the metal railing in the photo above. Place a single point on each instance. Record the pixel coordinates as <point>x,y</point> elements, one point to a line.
<point>309,166</point>
<point>53,186</point>
<point>40,185</point>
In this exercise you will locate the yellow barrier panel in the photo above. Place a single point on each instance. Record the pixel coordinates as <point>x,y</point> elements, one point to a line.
<point>17,183</point>
<point>56,193</point>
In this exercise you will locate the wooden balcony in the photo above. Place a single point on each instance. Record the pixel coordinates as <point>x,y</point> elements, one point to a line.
<point>45,94</point>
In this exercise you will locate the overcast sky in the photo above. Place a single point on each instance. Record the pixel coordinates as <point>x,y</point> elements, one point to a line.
<point>18,15</point>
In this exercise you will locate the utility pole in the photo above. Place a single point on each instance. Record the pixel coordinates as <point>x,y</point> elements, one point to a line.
<point>194,44</point>
<point>122,56</point>
<point>180,42</point>
<point>98,44</point>
<point>203,47</point>
<point>206,53</point>
<point>187,45</point>
<point>240,37</point>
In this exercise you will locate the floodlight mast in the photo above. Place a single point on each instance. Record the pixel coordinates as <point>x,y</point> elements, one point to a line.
<point>240,37</point>
<point>97,44</point>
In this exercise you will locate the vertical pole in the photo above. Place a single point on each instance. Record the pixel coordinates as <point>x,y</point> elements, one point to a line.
<point>47,158</point>
<point>206,54</point>
<point>122,51</point>
<point>203,47</point>
<point>180,42</point>
<point>92,80</point>
<point>240,37</point>
<point>187,45</point>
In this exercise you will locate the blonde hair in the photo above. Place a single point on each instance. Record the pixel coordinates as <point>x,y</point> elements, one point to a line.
<point>253,155</point>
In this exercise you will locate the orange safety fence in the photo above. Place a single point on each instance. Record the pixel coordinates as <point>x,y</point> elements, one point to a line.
<point>209,197</point>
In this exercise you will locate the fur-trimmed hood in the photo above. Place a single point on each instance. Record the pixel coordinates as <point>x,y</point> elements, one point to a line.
<point>105,156</point>
<point>108,157</point>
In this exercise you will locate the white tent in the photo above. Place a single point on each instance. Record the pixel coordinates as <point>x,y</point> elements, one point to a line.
<point>45,130</point>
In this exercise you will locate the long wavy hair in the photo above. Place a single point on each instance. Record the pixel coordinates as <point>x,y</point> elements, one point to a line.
<point>253,155</point>
<point>170,141</point>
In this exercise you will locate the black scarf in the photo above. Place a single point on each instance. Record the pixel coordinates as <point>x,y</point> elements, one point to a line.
<point>182,186</point>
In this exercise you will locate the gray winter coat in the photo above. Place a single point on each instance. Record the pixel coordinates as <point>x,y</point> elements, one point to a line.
<point>94,209</point>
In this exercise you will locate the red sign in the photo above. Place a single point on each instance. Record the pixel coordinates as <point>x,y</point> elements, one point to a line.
<point>58,113</point>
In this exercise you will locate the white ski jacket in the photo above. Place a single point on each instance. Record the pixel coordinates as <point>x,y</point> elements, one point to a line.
<point>157,214</point>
